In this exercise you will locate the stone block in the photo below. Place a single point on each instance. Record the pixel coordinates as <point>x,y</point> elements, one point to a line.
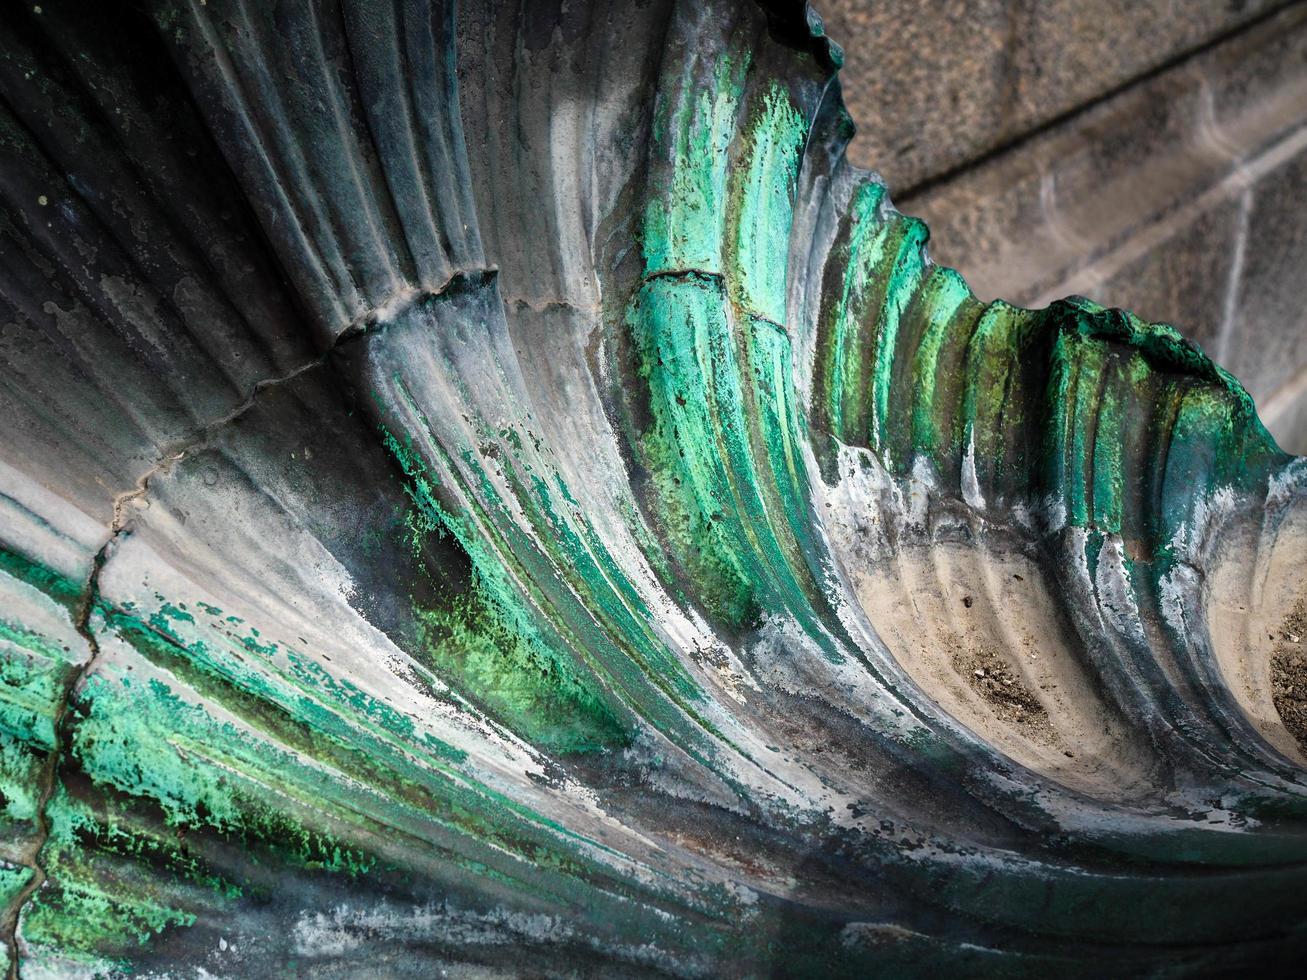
<point>927,83</point>
<point>933,85</point>
<point>1069,52</point>
<point>1268,335</point>
<point>1071,206</point>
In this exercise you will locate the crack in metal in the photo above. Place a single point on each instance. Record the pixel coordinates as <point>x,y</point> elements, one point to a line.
<point>62,723</point>
<point>374,322</point>
<point>379,318</point>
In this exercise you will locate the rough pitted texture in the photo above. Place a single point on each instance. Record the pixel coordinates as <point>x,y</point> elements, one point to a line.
<point>493,489</point>
<point>1008,67</point>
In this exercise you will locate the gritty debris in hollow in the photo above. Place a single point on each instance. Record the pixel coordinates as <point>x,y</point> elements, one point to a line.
<point>1289,673</point>
<point>1004,690</point>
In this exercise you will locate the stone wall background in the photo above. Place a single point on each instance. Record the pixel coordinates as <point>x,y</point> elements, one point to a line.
<point>1150,154</point>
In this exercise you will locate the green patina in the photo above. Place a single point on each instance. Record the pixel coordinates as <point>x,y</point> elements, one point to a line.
<point>841,361</point>
<point>1057,405</point>
<point>115,881</point>
<point>486,641</point>
<point>762,204</point>
<point>684,228</point>
<point>730,487</point>
<point>150,744</point>
<point>685,348</point>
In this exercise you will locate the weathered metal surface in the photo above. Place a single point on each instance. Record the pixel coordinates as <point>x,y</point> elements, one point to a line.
<point>493,490</point>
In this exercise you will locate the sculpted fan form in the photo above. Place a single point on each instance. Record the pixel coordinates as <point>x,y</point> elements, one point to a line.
<point>488,487</point>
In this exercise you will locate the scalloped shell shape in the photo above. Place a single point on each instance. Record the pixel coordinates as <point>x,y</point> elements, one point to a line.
<point>488,487</point>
